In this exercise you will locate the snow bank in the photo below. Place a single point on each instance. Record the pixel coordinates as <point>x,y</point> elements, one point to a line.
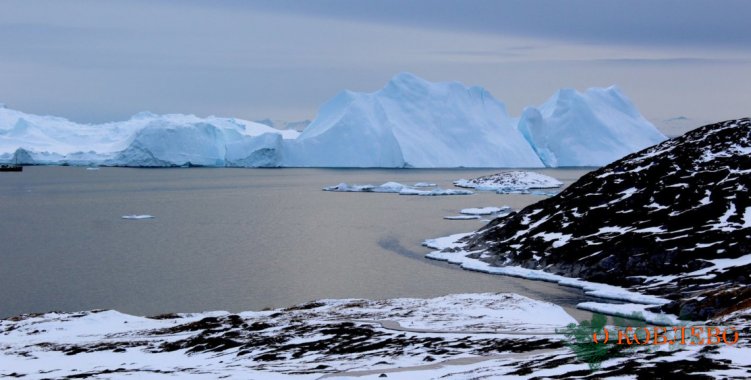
<point>449,249</point>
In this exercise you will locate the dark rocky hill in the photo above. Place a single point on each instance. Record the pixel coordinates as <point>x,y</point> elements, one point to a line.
<point>672,220</point>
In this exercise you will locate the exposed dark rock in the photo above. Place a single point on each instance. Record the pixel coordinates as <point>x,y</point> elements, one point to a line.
<point>665,211</point>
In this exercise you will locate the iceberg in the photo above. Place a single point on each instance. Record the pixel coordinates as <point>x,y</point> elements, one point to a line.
<point>144,140</point>
<point>412,123</point>
<point>592,128</point>
<point>409,123</point>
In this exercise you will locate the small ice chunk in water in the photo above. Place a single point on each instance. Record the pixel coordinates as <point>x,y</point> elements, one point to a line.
<point>424,184</point>
<point>137,217</point>
<point>462,217</point>
<point>434,192</point>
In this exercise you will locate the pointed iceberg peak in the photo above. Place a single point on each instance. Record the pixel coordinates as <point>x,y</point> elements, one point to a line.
<point>407,83</point>
<point>406,78</point>
<point>614,89</point>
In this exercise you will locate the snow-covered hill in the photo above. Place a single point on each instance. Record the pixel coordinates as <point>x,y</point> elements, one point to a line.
<point>673,221</point>
<point>409,123</point>
<point>477,336</point>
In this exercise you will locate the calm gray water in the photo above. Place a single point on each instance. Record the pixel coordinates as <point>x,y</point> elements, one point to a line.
<point>232,239</point>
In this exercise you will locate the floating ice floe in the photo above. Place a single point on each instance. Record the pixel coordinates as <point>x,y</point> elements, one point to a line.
<point>511,182</point>
<point>485,210</point>
<point>462,217</point>
<point>434,192</point>
<point>393,187</point>
<point>424,184</point>
<point>388,187</point>
<point>138,217</point>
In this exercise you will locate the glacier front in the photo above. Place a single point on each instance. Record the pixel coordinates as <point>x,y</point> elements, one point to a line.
<point>409,123</point>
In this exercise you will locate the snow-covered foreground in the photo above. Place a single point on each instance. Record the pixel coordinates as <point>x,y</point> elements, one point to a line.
<point>455,337</point>
<point>409,123</point>
<point>310,340</point>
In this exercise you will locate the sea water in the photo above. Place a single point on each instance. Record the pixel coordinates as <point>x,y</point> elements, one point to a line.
<point>234,239</point>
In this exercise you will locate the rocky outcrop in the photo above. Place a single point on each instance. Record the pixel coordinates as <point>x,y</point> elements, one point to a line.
<point>672,220</point>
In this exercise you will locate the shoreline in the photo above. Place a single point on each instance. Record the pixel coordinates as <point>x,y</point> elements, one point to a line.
<point>448,249</point>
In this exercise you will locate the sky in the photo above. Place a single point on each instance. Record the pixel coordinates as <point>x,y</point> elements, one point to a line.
<point>95,61</point>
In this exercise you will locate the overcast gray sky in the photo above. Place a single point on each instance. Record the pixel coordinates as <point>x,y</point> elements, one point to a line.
<point>97,61</point>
